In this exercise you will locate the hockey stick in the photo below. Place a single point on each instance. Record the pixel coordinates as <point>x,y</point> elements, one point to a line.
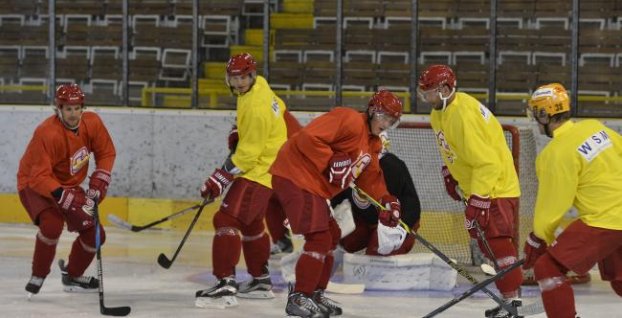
<point>108,311</point>
<point>442,256</point>
<point>137,228</point>
<point>165,261</point>
<point>479,286</point>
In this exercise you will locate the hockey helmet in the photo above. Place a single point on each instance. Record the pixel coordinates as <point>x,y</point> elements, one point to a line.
<point>549,99</point>
<point>436,76</point>
<point>385,102</point>
<point>68,94</point>
<point>241,64</point>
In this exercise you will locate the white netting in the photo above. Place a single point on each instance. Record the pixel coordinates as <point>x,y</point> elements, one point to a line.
<point>442,221</point>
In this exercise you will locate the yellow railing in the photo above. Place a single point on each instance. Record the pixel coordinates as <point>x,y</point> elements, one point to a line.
<point>29,88</point>
<point>148,94</point>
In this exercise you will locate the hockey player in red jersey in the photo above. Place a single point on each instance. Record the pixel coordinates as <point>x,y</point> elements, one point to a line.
<point>259,133</point>
<point>582,167</point>
<point>477,161</point>
<point>321,160</point>
<point>50,172</point>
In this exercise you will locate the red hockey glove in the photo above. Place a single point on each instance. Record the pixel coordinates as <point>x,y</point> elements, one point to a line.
<point>390,216</point>
<point>98,185</point>
<point>450,184</point>
<point>232,140</point>
<point>534,248</point>
<point>477,210</point>
<point>77,208</point>
<point>340,170</point>
<point>216,184</point>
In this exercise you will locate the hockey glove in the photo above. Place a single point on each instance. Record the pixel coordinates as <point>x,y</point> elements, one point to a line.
<point>77,208</point>
<point>534,248</point>
<point>340,170</point>
<point>450,184</point>
<point>390,215</point>
<point>98,185</point>
<point>232,140</point>
<point>216,184</point>
<point>477,210</point>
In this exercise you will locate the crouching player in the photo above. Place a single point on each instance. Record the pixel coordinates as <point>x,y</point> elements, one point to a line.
<point>50,172</point>
<point>369,234</point>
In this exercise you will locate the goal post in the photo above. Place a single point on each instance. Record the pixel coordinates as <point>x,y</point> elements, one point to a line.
<point>442,219</point>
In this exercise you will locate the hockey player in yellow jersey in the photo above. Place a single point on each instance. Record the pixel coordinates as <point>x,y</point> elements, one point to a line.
<point>582,167</point>
<point>239,223</point>
<point>478,167</point>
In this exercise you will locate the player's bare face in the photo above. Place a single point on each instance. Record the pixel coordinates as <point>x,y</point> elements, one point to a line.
<point>71,115</point>
<point>241,83</point>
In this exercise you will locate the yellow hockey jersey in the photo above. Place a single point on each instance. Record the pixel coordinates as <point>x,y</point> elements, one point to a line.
<point>581,166</point>
<point>262,132</point>
<point>473,146</point>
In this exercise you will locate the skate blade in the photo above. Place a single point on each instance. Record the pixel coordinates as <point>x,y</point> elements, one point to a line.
<point>216,302</point>
<point>29,296</point>
<point>79,290</point>
<point>263,294</point>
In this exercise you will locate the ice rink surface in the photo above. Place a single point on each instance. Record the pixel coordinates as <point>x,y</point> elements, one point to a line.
<point>133,278</point>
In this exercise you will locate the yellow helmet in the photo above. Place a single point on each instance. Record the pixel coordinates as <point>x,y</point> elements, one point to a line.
<point>551,99</point>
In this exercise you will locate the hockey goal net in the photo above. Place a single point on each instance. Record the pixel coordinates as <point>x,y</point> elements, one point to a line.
<point>442,219</point>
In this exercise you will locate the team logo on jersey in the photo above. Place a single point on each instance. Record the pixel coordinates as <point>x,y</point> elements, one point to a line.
<point>594,145</point>
<point>443,145</point>
<point>79,159</point>
<point>275,106</point>
<point>360,164</point>
<point>485,112</point>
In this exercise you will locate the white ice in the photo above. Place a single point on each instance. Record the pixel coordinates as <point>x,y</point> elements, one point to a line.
<point>133,278</point>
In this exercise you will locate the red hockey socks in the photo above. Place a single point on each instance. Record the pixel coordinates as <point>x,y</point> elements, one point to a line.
<point>311,263</point>
<point>83,251</point>
<point>50,229</point>
<point>505,255</point>
<point>557,294</point>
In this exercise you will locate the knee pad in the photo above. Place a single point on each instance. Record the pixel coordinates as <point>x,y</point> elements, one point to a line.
<point>87,237</point>
<point>617,287</point>
<point>50,226</point>
<point>549,273</point>
<point>505,253</point>
<point>318,242</point>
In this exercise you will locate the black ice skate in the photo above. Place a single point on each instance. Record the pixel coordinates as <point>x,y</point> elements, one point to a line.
<point>220,296</point>
<point>257,288</point>
<point>283,245</point>
<point>327,305</point>
<point>34,284</point>
<point>499,312</point>
<point>299,305</point>
<point>82,284</point>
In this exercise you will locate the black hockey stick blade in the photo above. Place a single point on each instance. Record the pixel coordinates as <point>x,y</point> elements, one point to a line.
<point>480,286</point>
<point>114,311</point>
<point>165,261</point>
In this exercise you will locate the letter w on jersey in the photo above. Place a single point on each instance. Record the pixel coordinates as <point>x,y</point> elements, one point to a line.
<point>593,145</point>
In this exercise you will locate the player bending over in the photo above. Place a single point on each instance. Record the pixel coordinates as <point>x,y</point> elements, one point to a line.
<point>321,160</point>
<point>582,167</point>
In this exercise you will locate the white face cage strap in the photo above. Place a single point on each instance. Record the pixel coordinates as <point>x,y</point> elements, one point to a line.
<point>445,99</point>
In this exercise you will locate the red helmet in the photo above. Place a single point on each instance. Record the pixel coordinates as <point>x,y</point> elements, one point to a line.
<point>436,76</point>
<point>69,94</point>
<point>386,102</point>
<point>241,64</point>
